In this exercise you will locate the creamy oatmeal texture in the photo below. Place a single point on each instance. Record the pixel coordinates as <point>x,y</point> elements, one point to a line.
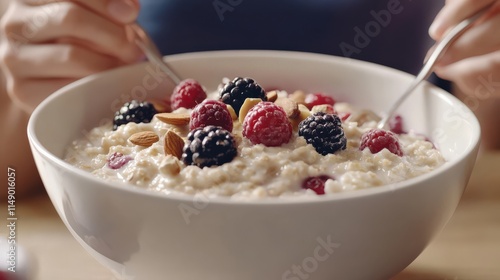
<point>257,171</point>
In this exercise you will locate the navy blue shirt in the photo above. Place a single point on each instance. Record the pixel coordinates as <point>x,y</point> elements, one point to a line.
<point>388,32</point>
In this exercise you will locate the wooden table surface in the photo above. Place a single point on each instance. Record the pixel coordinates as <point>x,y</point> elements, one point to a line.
<point>467,249</point>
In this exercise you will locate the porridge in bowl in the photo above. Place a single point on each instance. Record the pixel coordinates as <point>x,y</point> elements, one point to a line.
<point>243,142</point>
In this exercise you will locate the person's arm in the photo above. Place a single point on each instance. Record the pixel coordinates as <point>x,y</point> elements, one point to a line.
<point>45,45</point>
<point>472,63</point>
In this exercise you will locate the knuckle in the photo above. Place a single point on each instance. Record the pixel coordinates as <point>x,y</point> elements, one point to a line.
<point>86,63</point>
<point>496,61</point>
<point>10,23</point>
<point>8,56</point>
<point>70,15</point>
<point>71,53</point>
<point>77,53</point>
<point>15,89</point>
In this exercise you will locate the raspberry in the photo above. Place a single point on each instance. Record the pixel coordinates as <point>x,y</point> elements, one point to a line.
<point>377,139</point>
<point>134,111</point>
<point>324,132</point>
<point>117,160</point>
<point>313,99</point>
<point>236,91</point>
<point>208,146</point>
<point>211,112</point>
<point>187,94</point>
<point>317,184</point>
<point>396,125</point>
<point>266,123</point>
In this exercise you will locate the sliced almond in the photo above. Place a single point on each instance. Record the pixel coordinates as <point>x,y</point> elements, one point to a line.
<point>170,165</point>
<point>173,144</point>
<point>298,96</point>
<point>247,105</point>
<point>364,116</point>
<point>291,107</point>
<point>174,118</point>
<point>232,112</point>
<point>144,138</point>
<point>304,113</point>
<point>272,96</point>
<point>328,109</point>
<point>161,105</point>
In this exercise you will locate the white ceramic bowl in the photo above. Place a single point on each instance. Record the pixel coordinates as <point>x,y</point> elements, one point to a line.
<point>366,234</point>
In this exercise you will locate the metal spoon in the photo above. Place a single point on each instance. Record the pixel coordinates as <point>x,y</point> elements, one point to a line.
<point>427,69</point>
<point>146,44</point>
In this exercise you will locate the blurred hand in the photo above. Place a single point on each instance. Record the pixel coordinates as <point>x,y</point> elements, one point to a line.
<point>473,61</point>
<point>46,44</point>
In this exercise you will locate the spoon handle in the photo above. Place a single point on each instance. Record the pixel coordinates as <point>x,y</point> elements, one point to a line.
<point>428,66</point>
<point>146,44</point>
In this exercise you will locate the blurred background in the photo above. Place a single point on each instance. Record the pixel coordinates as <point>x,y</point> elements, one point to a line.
<point>14,139</point>
<point>3,5</point>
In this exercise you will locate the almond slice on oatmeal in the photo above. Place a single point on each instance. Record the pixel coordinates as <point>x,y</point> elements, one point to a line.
<point>160,105</point>
<point>170,165</point>
<point>324,108</point>
<point>174,118</point>
<point>291,107</point>
<point>247,105</point>
<point>364,116</point>
<point>298,96</point>
<point>232,112</point>
<point>144,138</point>
<point>173,144</point>
<point>272,95</point>
<point>304,113</point>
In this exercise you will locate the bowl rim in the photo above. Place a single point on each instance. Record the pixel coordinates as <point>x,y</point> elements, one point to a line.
<point>356,194</point>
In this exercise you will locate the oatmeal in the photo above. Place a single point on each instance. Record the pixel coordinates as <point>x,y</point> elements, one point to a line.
<point>252,147</point>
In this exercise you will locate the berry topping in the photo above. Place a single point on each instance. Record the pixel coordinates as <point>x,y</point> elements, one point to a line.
<point>317,184</point>
<point>314,99</point>
<point>266,123</point>
<point>211,112</point>
<point>377,140</point>
<point>134,111</point>
<point>236,91</point>
<point>324,132</point>
<point>208,146</point>
<point>396,125</point>
<point>344,116</point>
<point>117,160</point>
<point>325,108</point>
<point>188,93</point>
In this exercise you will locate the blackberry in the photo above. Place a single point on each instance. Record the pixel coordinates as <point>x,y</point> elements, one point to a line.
<point>134,111</point>
<point>324,132</point>
<point>208,146</point>
<point>236,91</point>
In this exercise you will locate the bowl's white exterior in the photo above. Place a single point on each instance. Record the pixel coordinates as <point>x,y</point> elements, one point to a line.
<point>367,234</point>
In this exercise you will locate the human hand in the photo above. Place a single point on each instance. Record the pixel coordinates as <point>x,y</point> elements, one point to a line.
<point>473,61</point>
<point>46,44</point>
